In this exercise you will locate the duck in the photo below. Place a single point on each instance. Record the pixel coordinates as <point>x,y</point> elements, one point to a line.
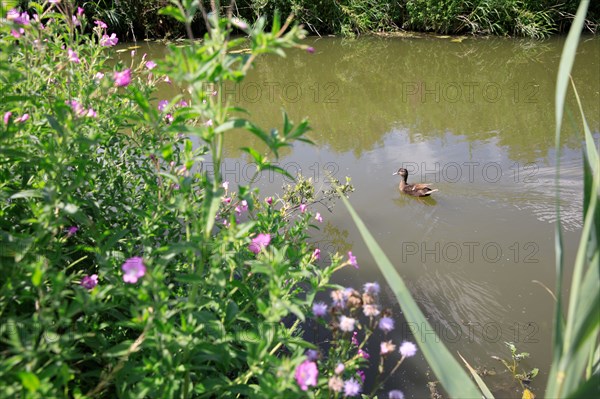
<point>416,190</point>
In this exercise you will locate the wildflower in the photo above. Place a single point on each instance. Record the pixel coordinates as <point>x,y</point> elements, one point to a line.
<point>20,19</point>
<point>150,65</point>
<point>89,282</point>
<point>408,349</point>
<point>100,24</point>
<point>354,340</point>
<point>226,200</point>
<point>353,299</point>
<point>225,185</point>
<point>339,369</point>
<point>162,104</point>
<point>73,56</point>
<point>310,50</point>
<point>238,23</point>
<point>98,77</point>
<point>312,355</point>
<point>269,200</point>
<point>17,33</point>
<point>396,394</point>
<point>167,80</point>
<point>352,259</point>
<point>364,354</point>
<point>91,113</point>
<point>338,298</point>
<point>72,230</point>
<point>306,374</point>
<point>7,117</point>
<point>243,206</point>
<point>75,21</point>
<point>371,288</point>
<point>386,347</point>
<point>134,269</point>
<point>302,208</point>
<point>361,374</point>
<point>386,324</point>
<point>53,1</point>
<point>80,11</point>
<point>351,387</point>
<point>336,384</point>
<point>169,118</point>
<point>319,309</point>
<point>182,103</point>
<point>261,241</point>
<point>208,122</point>
<point>122,78</point>
<point>347,323</point>
<point>108,41</point>
<point>22,118</point>
<point>319,218</point>
<point>316,254</point>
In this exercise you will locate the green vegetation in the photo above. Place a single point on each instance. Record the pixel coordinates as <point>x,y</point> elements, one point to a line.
<point>140,19</point>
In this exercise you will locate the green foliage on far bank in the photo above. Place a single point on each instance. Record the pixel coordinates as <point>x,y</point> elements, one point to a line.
<point>139,19</point>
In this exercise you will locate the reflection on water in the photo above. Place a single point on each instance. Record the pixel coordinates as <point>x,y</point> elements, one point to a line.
<point>476,120</point>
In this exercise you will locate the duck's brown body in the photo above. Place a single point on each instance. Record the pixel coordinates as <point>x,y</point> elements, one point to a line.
<point>416,190</point>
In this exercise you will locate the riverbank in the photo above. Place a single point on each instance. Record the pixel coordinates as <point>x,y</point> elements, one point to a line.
<point>141,19</point>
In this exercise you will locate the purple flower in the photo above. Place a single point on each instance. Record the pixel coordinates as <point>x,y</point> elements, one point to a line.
<point>98,76</point>
<point>150,65</point>
<point>101,24</point>
<point>354,340</point>
<point>17,33</point>
<point>364,354</point>
<point>351,387</point>
<point>302,208</point>
<point>312,355</point>
<point>361,374</point>
<point>162,104</point>
<point>310,50</point>
<point>339,369</point>
<point>73,56</point>
<point>347,323</point>
<point>243,206</point>
<point>371,288</point>
<point>134,269</point>
<point>306,374</point>
<point>72,230</point>
<point>408,349</point>
<point>316,254</point>
<point>7,117</point>
<point>260,242</point>
<point>89,282</point>
<point>181,103</point>
<point>352,259</point>
<point>396,394</point>
<point>122,78</point>
<point>80,11</point>
<point>21,19</point>
<point>108,41</point>
<point>319,218</point>
<point>386,324</point>
<point>319,309</point>
<point>75,21</point>
<point>269,200</point>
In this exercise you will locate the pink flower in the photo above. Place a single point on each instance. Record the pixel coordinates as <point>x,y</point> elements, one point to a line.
<point>269,200</point>
<point>352,259</point>
<point>150,65</point>
<point>80,11</point>
<point>260,242</point>
<point>387,347</point>
<point>162,104</point>
<point>122,78</point>
<point>364,354</point>
<point>351,387</point>
<point>208,122</point>
<point>72,230</point>
<point>22,118</point>
<point>167,80</point>
<point>310,50</point>
<point>306,374</point>
<point>408,349</point>
<point>101,24</point>
<point>98,76</point>
<point>89,282</point>
<point>134,269</point>
<point>339,369</point>
<point>91,113</point>
<point>319,218</point>
<point>109,41</point>
<point>75,21</point>
<point>225,185</point>
<point>316,254</point>
<point>7,117</point>
<point>347,323</point>
<point>302,208</point>
<point>21,19</point>
<point>73,56</point>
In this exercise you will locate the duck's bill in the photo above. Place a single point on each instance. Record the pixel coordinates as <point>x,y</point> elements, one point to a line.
<point>394,174</point>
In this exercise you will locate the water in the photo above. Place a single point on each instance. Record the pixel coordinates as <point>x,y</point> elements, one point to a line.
<point>474,117</point>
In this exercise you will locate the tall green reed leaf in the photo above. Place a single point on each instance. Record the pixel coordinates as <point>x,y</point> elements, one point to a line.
<point>451,375</point>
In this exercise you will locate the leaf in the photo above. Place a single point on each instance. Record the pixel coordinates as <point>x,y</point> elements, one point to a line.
<point>118,350</point>
<point>36,277</point>
<point>449,372</point>
<point>484,389</point>
<point>29,381</point>
<point>27,194</point>
<point>174,12</point>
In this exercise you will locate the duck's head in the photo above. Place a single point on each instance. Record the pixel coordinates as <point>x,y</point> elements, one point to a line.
<point>402,172</point>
